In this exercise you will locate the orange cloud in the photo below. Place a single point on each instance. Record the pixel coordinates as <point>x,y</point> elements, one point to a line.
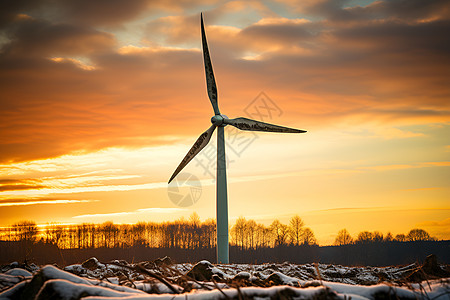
<point>156,210</point>
<point>19,187</point>
<point>72,87</point>
<point>439,229</point>
<point>32,37</point>
<point>41,201</point>
<point>438,164</point>
<point>410,166</point>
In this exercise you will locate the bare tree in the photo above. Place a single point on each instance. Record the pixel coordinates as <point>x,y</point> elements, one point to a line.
<point>418,234</point>
<point>308,237</point>
<point>238,232</point>
<point>364,237</point>
<point>400,237</point>
<point>138,232</point>
<point>377,237</point>
<point>194,219</point>
<point>251,228</point>
<point>194,230</point>
<point>209,233</point>
<point>25,231</point>
<point>109,232</point>
<point>388,237</point>
<point>263,236</point>
<point>296,229</point>
<point>54,234</point>
<point>152,233</point>
<point>280,232</point>
<point>343,238</point>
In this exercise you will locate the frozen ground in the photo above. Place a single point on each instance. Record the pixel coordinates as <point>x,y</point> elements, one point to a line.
<point>161,279</point>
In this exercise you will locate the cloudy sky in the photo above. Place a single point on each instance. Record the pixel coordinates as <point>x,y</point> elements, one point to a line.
<point>100,101</point>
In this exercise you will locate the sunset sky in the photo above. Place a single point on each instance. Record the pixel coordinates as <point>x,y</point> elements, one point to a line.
<point>101,100</point>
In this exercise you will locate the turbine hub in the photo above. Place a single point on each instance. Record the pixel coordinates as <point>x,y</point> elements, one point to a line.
<point>217,120</point>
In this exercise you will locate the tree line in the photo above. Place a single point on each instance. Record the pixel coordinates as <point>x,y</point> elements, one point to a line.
<point>365,237</point>
<point>182,233</point>
<point>188,233</point>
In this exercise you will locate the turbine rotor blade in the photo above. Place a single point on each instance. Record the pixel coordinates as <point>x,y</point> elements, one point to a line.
<point>253,125</point>
<point>210,81</point>
<point>201,142</point>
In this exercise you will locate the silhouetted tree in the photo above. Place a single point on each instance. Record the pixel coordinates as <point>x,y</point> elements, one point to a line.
<point>388,237</point>
<point>364,237</point>
<point>251,233</point>
<point>152,234</point>
<point>400,237</point>
<point>308,237</point>
<point>194,219</point>
<point>194,230</point>
<point>343,238</point>
<point>25,231</point>
<point>377,237</point>
<point>138,232</point>
<point>109,232</point>
<point>191,233</point>
<point>209,232</point>
<point>417,234</point>
<point>264,236</point>
<point>238,232</point>
<point>296,229</point>
<point>280,232</point>
<point>54,234</point>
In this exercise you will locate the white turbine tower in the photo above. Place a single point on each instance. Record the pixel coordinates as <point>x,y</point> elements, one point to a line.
<point>219,121</point>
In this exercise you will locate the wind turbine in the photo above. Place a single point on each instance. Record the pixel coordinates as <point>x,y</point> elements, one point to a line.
<point>219,121</point>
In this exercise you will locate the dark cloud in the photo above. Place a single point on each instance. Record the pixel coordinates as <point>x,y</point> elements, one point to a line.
<point>342,11</point>
<point>19,187</point>
<point>116,12</point>
<point>39,200</point>
<point>9,181</point>
<point>279,33</point>
<point>329,9</point>
<point>109,13</point>
<point>134,96</point>
<point>231,41</point>
<point>19,184</point>
<point>33,37</point>
<point>406,9</point>
<point>22,200</point>
<point>174,29</point>
<point>52,108</point>
<point>398,37</point>
<point>412,112</point>
<point>102,12</point>
<point>9,9</point>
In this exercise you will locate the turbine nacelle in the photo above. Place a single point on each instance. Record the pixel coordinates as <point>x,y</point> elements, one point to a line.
<point>218,120</point>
